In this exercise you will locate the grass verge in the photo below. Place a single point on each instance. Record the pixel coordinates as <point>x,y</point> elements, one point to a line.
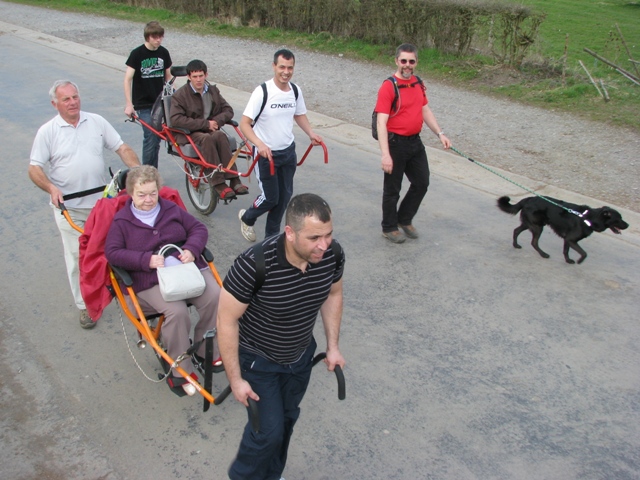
<point>540,83</point>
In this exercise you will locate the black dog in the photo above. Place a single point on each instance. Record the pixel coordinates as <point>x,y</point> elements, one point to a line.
<point>536,212</point>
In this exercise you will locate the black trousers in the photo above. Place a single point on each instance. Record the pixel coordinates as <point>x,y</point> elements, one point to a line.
<point>410,159</point>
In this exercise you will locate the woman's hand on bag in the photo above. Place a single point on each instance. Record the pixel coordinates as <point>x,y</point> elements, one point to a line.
<point>157,261</point>
<point>186,256</point>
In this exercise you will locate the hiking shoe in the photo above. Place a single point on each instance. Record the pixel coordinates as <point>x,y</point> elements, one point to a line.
<point>410,231</point>
<point>85,320</point>
<point>395,237</point>
<point>247,230</point>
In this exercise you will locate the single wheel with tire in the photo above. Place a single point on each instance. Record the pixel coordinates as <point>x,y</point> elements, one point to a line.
<point>201,193</point>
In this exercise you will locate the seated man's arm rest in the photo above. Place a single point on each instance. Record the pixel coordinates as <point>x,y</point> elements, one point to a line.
<point>222,112</point>
<point>180,130</point>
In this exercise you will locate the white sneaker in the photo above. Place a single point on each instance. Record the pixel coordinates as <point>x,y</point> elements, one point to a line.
<point>247,231</point>
<point>189,389</point>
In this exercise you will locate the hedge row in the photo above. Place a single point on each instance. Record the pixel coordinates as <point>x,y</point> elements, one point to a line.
<point>504,30</point>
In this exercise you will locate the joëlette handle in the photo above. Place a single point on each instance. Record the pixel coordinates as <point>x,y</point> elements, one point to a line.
<point>342,390</point>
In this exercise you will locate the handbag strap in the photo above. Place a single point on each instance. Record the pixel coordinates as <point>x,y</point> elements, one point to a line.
<point>168,247</point>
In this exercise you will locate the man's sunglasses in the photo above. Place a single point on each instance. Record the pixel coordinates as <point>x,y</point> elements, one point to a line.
<point>404,61</point>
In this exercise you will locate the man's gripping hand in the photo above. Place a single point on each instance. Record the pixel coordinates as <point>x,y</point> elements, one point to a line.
<point>333,358</point>
<point>242,391</point>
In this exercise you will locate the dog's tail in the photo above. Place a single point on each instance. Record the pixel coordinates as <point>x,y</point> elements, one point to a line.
<point>504,204</point>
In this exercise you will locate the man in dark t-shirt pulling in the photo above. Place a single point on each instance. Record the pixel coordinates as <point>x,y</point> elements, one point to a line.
<point>266,315</point>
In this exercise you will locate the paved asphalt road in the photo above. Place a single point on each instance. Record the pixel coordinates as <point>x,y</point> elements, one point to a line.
<point>467,359</point>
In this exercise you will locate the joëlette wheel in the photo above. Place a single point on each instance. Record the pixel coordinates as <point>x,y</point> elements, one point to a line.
<point>203,197</point>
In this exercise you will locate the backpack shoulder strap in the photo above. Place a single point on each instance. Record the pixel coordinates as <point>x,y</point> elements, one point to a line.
<point>337,251</point>
<point>294,87</point>
<point>264,102</point>
<point>422,86</point>
<point>261,268</point>
<point>396,92</point>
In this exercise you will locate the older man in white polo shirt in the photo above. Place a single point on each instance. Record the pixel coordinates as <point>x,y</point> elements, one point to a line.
<point>67,157</point>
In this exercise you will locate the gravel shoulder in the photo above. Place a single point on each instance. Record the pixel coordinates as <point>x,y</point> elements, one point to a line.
<point>557,149</point>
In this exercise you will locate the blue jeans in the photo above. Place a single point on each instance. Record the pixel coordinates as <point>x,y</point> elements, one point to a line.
<point>277,189</point>
<point>151,142</point>
<point>410,159</point>
<point>263,455</point>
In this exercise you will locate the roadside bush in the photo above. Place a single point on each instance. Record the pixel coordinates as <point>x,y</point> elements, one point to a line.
<point>503,30</point>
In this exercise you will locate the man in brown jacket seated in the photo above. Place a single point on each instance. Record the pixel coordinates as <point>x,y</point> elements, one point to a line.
<point>199,107</point>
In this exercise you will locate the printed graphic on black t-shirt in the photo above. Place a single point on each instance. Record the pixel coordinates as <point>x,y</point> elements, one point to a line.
<point>152,68</point>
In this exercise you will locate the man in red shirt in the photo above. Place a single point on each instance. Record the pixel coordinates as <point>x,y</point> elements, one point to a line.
<point>403,152</point>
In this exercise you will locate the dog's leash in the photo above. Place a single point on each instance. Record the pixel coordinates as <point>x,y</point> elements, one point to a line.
<point>578,214</point>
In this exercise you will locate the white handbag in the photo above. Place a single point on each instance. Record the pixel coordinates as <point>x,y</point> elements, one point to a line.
<point>179,282</point>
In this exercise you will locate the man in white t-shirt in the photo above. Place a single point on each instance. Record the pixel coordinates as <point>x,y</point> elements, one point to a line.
<point>267,122</point>
<point>70,147</point>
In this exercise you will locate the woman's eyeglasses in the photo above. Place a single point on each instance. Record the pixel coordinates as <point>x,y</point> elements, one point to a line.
<point>404,61</point>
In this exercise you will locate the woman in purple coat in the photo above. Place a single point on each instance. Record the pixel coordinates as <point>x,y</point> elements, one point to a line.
<point>144,225</point>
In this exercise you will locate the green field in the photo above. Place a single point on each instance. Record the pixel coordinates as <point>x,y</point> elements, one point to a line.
<point>589,23</point>
<point>540,82</point>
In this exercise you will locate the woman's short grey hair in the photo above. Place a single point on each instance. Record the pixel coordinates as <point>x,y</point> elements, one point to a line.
<point>57,84</point>
<point>141,175</point>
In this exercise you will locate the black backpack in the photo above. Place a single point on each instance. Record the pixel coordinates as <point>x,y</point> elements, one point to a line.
<point>261,267</point>
<point>294,87</point>
<point>374,115</point>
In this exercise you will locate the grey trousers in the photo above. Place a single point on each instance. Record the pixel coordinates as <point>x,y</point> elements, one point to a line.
<point>177,322</point>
